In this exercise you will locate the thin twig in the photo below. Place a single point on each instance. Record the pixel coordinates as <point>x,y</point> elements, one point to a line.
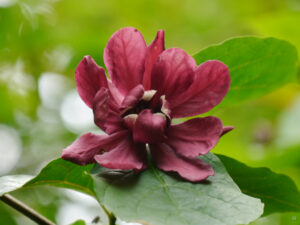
<point>25,210</point>
<point>111,217</point>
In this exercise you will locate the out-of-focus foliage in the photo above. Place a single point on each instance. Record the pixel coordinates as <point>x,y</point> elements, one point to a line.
<point>41,42</point>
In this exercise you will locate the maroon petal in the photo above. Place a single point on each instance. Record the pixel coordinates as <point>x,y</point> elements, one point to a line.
<point>149,127</point>
<point>133,97</point>
<point>106,112</point>
<point>195,137</point>
<point>113,122</point>
<point>115,94</point>
<point>83,150</point>
<point>125,156</point>
<point>100,107</point>
<point>89,79</point>
<point>210,86</point>
<point>130,120</point>
<point>227,129</point>
<point>124,57</point>
<point>172,73</point>
<point>166,159</point>
<point>153,51</point>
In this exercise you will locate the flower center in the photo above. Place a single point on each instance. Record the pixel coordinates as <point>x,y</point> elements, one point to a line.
<point>147,119</point>
<point>142,105</point>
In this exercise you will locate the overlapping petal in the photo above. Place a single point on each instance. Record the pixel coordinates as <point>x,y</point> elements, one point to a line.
<point>124,57</point>
<point>89,79</point>
<point>100,107</point>
<point>172,73</point>
<point>192,169</point>
<point>148,87</point>
<point>127,155</point>
<point>210,86</point>
<point>153,51</point>
<point>194,137</point>
<point>114,93</point>
<point>83,150</point>
<point>149,127</point>
<point>106,112</point>
<point>133,97</point>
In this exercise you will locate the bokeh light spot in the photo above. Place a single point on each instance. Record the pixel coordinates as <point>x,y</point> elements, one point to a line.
<point>10,148</point>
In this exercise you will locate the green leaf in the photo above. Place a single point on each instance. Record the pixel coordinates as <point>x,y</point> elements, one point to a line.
<point>158,198</point>
<point>278,192</point>
<point>61,173</point>
<point>78,222</point>
<point>257,65</point>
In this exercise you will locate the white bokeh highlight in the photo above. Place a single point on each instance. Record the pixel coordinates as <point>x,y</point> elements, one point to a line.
<point>52,88</point>
<point>289,126</point>
<point>76,116</point>
<point>6,3</point>
<point>10,148</point>
<point>79,207</point>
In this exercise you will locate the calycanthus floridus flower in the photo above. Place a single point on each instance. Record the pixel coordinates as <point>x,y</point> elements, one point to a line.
<point>148,87</point>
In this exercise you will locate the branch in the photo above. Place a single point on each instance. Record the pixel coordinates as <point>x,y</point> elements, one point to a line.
<point>111,217</point>
<point>25,210</point>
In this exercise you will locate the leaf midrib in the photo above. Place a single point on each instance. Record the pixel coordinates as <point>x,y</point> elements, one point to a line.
<point>58,182</point>
<point>165,187</point>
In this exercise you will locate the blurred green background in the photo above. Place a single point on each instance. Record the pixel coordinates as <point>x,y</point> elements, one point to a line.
<point>41,42</point>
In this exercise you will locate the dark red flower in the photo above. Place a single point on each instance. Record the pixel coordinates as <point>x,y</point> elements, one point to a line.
<point>148,87</point>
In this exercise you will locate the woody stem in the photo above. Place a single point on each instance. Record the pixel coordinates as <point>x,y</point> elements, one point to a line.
<point>25,210</point>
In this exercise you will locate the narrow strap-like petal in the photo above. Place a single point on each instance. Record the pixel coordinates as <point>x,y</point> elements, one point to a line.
<point>115,94</point>
<point>100,107</point>
<point>106,112</point>
<point>227,129</point>
<point>172,73</point>
<point>126,155</point>
<point>153,51</point>
<point>89,79</point>
<point>124,57</point>
<point>149,127</point>
<point>195,137</point>
<point>133,97</point>
<point>210,86</point>
<point>83,150</point>
<point>166,159</point>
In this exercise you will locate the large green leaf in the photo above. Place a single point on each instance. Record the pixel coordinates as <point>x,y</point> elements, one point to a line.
<point>257,65</point>
<point>158,198</point>
<point>154,196</point>
<point>277,191</point>
<point>59,173</point>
